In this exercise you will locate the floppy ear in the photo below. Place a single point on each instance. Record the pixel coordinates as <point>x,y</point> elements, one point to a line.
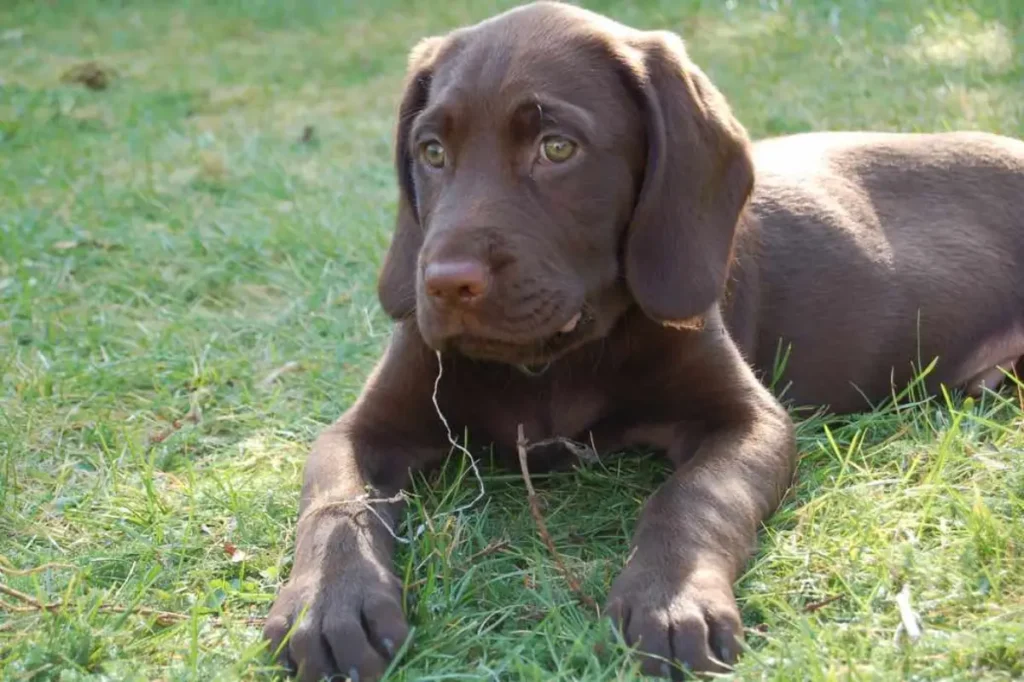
<point>396,285</point>
<point>697,180</point>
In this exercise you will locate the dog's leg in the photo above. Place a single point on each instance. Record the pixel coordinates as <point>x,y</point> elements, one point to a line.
<point>674,598</point>
<point>341,612</point>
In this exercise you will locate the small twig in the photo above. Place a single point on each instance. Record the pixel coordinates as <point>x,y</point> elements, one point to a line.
<point>583,452</point>
<point>5,567</point>
<point>10,608</point>
<point>493,547</point>
<point>542,528</point>
<point>21,596</point>
<point>162,617</point>
<point>161,436</point>
<point>290,366</point>
<point>818,605</point>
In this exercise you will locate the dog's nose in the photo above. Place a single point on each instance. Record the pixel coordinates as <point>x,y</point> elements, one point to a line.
<point>456,282</point>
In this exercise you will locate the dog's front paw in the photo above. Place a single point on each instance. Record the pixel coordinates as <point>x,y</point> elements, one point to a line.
<point>345,623</point>
<point>676,621</point>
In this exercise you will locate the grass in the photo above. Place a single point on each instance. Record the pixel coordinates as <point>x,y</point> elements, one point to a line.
<point>220,210</point>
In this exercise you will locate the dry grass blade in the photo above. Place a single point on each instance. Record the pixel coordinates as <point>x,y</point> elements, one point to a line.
<point>272,377</point>
<point>910,622</point>
<point>819,605</point>
<point>161,617</point>
<point>492,548</point>
<point>5,567</point>
<point>170,241</point>
<point>522,445</point>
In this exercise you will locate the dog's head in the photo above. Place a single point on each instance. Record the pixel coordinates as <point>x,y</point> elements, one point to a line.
<point>555,168</point>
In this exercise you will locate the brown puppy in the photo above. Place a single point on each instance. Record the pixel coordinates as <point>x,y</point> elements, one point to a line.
<point>578,237</point>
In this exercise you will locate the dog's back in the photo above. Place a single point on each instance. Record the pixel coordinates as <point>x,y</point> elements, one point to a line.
<point>890,249</point>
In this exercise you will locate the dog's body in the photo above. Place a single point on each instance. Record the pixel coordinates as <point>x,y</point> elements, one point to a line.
<point>591,258</point>
<point>872,252</point>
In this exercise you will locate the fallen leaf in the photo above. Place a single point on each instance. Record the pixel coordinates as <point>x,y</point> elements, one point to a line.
<point>90,74</point>
<point>236,555</point>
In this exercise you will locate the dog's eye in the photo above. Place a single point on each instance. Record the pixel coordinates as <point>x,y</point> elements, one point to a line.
<point>557,149</point>
<point>433,154</point>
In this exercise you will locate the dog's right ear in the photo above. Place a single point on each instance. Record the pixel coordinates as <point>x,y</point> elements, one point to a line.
<point>396,286</point>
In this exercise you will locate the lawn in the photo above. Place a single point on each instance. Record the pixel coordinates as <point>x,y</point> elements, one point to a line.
<point>187,269</point>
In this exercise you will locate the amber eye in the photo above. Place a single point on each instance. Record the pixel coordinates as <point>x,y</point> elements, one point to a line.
<point>557,149</point>
<point>433,154</point>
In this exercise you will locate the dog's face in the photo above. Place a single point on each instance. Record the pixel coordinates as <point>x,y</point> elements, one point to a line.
<point>556,168</point>
<point>524,176</point>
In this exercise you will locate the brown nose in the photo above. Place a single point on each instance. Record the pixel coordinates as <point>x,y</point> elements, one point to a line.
<point>456,282</point>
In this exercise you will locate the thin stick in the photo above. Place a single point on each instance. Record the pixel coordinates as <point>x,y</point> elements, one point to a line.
<point>583,452</point>
<point>290,366</point>
<point>162,617</point>
<point>5,567</point>
<point>492,548</point>
<point>542,529</point>
<point>819,605</point>
<point>161,436</point>
<point>21,596</point>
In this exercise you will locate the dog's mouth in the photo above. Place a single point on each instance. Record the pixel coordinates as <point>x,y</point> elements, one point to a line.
<point>531,356</point>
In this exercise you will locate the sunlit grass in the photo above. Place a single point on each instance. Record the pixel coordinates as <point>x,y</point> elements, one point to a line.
<point>220,210</point>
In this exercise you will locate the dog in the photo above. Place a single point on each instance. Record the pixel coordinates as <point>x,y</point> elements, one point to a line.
<point>588,246</point>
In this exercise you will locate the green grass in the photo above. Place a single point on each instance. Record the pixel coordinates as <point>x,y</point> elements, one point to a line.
<point>167,243</point>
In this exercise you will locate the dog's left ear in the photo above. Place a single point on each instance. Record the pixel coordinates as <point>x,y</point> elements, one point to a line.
<point>396,285</point>
<point>697,180</point>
